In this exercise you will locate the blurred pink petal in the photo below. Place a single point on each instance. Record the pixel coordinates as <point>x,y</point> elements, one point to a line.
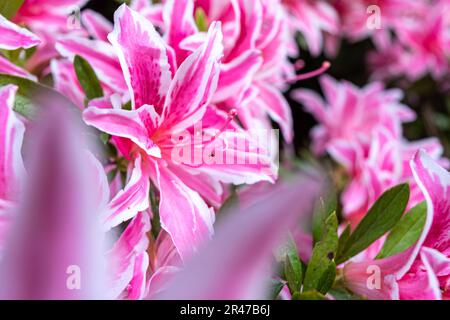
<point>235,263</point>
<point>45,254</point>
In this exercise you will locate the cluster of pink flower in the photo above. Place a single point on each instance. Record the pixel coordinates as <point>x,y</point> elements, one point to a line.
<point>411,38</point>
<point>207,77</point>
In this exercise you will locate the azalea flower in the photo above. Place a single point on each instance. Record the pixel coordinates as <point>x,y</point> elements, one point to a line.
<point>54,233</point>
<point>350,115</point>
<point>313,19</point>
<point>255,65</point>
<point>386,165</point>
<point>49,20</point>
<point>163,107</point>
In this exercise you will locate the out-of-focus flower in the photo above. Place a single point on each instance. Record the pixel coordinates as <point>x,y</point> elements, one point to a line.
<point>386,165</point>
<point>54,247</point>
<point>15,37</point>
<point>236,263</point>
<point>49,20</point>
<point>255,62</point>
<point>11,163</point>
<point>350,115</point>
<point>163,108</point>
<point>313,19</point>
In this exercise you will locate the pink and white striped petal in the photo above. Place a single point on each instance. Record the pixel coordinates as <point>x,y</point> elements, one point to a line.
<point>143,57</point>
<point>14,37</point>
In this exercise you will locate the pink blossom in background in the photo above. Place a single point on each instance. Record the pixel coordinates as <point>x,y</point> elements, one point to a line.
<point>314,20</point>
<point>350,115</point>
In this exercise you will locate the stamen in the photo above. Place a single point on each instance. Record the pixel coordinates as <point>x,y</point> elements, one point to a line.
<point>325,66</point>
<point>231,115</point>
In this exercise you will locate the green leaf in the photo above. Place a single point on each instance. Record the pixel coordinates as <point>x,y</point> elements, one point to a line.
<point>321,269</point>
<point>406,232</point>
<point>293,269</point>
<point>8,8</point>
<point>381,218</point>
<point>343,240</point>
<point>341,293</point>
<point>310,295</point>
<point>201,20</point>
<point>87,78</point>
<point>32,95</point>
<point>275,288</point>
<point>325,206</point>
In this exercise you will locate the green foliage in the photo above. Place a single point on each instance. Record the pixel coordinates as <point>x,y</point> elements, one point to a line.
<point>293,269</point>
<point>87,78</point>
<point>406,232</point>
<point>380,219</point>
<point>8,8</point>
<point>321,269</point>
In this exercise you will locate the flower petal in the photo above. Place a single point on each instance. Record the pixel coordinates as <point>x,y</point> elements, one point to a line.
<point>143,57</point>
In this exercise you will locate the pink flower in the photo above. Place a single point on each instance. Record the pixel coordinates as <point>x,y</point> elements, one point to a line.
<point>255,63</point>
<point>49,20</point>
<point>385,165</point>
<point>15,37</point>
<point>350,115</point>
<point>312,18</point>
<point>54,248</point>
<point>427,43</point>
<point>237,262</point>
<point>164,107</point>
<point>434,182</point>
<point>11,163</point>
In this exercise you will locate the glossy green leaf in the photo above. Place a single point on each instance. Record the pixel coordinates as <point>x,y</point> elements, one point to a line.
<point>319,273</point>
<point>325,206</point>
<point>87,78</point>
<point>310,295</point>
<point>293,269</point>
<point>406,232</point>
<point>380,219</point>
<point>8,8</point>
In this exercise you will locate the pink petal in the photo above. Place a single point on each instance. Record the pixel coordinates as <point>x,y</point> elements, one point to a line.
<point>129,260</point>
<point>179,18</point>
<point>100,55</point>
<point>434,181</point>
<point>66,82</point>
<point>56,234</point>
<point>11,137</point>
<point>237,75</point>
<point>8,67</point>
<point>15,37</point>
<point>183,213</point>
<point>136,125</point>
<point>278,109</point>
<point>97,25</point>
<point>194,82</point>
<point>143,57</point>
<point>236,262</point>
<point>132,199</point>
